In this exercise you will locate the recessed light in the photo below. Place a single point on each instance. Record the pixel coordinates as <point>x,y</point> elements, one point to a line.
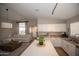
<point>36,10</point>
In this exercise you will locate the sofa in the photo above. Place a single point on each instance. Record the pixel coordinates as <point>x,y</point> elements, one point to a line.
<point>15,45</point>
<point>23,38</point>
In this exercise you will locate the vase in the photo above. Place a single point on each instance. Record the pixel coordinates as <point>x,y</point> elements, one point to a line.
<point>41,43</point>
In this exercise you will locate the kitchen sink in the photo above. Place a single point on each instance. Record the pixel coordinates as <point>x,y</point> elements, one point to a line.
<point>74,41</point>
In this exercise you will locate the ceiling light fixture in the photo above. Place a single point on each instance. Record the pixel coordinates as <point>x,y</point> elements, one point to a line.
<point>36,10</point>
<point>54,8</point>
<point>7,13</point>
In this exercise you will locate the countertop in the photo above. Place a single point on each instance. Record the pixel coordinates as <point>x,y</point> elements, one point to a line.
<point>35,50</point>
<point>72,42</point>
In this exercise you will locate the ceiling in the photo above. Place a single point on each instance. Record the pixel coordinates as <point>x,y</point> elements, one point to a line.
<point>44,10</point>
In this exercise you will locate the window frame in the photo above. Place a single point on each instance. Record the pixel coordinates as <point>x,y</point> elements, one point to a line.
<point>22,28</point>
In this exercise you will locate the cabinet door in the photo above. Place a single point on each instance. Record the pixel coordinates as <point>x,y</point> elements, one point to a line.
<point>53,42</point>
<point>64,45</point>
<point>56,42</point>
<point>71,49</point>
<point>68,48</point>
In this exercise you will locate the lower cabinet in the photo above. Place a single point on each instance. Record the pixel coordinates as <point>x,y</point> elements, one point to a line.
<point>69,48</point>
<point>56,42</point>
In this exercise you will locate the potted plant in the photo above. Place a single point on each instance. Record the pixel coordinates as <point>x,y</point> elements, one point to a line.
<point>41,40</point>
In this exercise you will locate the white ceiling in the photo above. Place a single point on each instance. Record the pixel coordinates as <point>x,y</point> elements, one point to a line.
<point>62,12</point>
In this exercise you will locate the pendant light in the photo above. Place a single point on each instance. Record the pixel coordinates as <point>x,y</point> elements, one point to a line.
<point>7,13</point>
<point>54,8</point>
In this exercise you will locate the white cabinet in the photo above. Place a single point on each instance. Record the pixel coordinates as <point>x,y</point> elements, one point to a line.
<point>56,42</point>
<point>51,27</point>
<point>69,48</point>
<point>64,45</point>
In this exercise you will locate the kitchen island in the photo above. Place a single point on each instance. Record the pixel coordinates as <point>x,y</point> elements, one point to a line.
<point>37,50</point>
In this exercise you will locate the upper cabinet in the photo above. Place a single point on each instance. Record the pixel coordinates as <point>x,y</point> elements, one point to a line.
<point>52,27</point>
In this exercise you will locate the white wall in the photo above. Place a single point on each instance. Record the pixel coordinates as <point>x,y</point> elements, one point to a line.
<point>71,21</point>
<point>49,21</point>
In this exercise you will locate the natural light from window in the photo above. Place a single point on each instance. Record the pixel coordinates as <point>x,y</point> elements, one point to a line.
<point>22,28</point>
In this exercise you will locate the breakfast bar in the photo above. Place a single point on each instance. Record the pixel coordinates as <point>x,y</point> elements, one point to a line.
<point>40,50</point>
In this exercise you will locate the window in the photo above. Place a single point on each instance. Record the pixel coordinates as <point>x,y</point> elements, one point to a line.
<point>74,29</point>
<point>22,28</point>
<point>6,25</point>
